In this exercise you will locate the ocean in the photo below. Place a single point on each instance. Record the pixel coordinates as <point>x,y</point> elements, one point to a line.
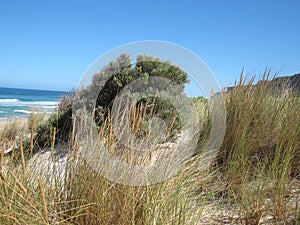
<point>19,103</point>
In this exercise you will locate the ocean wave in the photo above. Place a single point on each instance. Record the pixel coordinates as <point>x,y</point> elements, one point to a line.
<point>1,111</point>
<point>29,112</point>
<point>49,107</point>
<point>17,102</point>
<point>8,100</point>
<point>40,103</point>
<point>22,111</point>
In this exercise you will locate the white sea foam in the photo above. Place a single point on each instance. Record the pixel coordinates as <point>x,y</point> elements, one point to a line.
<point>8,100</point>
<point>1,111</point>
<point>16,102</point>
<point>29,112</point>
<point>40,103</point>
<point>22,111</point>
<point>49,107</point>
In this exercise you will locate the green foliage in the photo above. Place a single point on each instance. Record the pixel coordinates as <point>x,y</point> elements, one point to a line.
<point>202,107</point>
<point>118,73</point>
<point>61,121</point>
<point>122,73</point>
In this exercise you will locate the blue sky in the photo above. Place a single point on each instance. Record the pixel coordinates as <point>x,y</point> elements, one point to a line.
<point>50,44</point>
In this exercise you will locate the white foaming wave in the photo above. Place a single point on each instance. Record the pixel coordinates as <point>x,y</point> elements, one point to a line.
<point>49,107</point>
<point>8,100</point>
<point>22,111</point>
<point>1,111</point>
<point>40,103</point>
<point>16,102</point>
<point>29,112</point>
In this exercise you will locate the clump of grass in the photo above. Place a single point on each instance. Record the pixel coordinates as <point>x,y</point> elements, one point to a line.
<point>46,192</point>
<point>10,133</point>
<point>10,130</point>
<point>254,180</point>
<point>260,153</point>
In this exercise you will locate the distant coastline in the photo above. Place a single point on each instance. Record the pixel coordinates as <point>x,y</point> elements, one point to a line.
<point>285,82</point>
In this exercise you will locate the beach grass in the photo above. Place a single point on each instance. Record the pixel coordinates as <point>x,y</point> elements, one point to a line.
<point>255,179</point>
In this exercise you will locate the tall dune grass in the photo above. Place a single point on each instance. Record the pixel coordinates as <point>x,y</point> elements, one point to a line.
<point>261,150</point>
<point>254,179</point>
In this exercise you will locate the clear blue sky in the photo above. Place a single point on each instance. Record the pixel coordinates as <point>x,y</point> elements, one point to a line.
<point>50,44</point>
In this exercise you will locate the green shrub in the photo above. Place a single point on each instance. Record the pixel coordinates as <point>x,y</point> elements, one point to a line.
<point>120,73</point>
<point>60,120</point>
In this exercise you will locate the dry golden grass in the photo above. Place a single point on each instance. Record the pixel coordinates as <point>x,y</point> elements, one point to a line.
<point>254,180</point>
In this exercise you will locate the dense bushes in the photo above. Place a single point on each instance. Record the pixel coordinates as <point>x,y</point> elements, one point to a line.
<point>119,73</point>
<point>61,121</point>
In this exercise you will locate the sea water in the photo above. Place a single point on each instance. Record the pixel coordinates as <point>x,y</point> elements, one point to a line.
<point>19,103</point>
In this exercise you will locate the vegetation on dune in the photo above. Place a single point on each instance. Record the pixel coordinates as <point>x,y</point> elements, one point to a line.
<point>121,72</point>
<point>61,122</point>
<point>255,178</point>
<point>261,150</point>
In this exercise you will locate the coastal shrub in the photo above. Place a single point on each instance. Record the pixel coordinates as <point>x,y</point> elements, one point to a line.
<point>61,120</point>
<point>120,72</point>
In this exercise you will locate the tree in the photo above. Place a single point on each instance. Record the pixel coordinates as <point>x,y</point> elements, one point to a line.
<point>121,73</point>
<point>117,74</point>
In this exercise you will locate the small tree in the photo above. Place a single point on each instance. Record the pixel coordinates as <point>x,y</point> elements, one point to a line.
<point>118,74</point>
<point>121,73</point>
